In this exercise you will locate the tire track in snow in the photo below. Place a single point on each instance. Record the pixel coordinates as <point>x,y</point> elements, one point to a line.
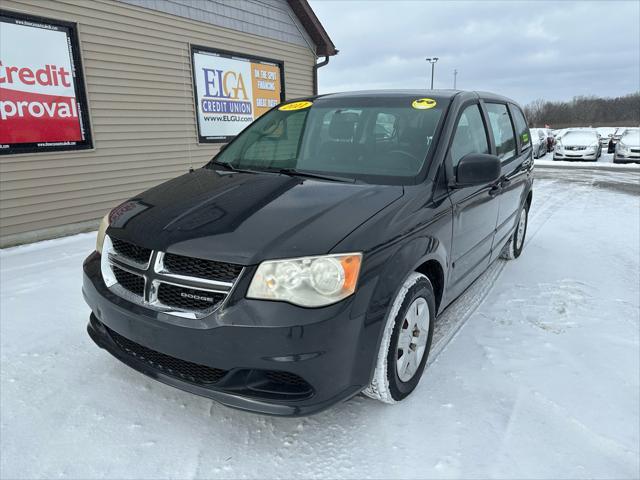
<point>455,316</point>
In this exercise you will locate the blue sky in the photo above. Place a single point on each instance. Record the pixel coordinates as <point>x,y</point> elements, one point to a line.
<point>526,50</point>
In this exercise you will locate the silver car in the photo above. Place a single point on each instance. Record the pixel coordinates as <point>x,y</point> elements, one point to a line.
<point>539,142</point>
<point>628,147</point>
<point>578,144</point>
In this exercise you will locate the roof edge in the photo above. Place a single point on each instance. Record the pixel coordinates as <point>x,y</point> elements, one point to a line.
<point>311,23</point>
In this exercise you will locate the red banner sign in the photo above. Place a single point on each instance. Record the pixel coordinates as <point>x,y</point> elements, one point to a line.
<point>42,102</point>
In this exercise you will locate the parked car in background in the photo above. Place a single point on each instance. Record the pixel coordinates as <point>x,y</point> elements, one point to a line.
<point>557,134</point>
<point>628,147</point>
<point>539,142</point>
<point>578,144</point>
<point>605,134</point>
<point>307,261</point>
<point>611,147</point>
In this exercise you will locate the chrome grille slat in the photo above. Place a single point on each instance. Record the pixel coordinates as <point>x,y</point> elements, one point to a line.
<point>200,268</point>
<point>175,294</point>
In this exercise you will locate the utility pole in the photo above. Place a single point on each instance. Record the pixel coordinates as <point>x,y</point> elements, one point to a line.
<point>455,75</point>
<point>432,61</point>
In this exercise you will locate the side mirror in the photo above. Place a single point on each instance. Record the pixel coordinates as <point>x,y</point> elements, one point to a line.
<point>477,169</point>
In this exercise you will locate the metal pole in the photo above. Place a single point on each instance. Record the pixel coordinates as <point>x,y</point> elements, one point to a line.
<point>428,60</point>
<point>433,64</point>
<point>432,61</point>
<point>455,75</point>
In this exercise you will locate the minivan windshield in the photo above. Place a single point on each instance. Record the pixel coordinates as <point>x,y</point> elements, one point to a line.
<point>376,140</point>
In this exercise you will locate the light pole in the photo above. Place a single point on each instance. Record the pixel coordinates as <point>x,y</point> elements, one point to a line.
<point>432,61</point>
<point>455,76</point>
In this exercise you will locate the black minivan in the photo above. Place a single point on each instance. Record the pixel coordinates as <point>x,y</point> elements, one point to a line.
<point>308,260</point>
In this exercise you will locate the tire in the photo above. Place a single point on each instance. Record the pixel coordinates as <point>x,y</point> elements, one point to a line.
<point>387,384</point>
<point>514,246</point>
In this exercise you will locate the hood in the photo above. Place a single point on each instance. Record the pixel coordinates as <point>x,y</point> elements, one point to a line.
<point>245,218</point>
<point>579,139</point>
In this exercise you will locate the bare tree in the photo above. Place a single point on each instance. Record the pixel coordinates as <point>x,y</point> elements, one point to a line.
<point>585,111</point>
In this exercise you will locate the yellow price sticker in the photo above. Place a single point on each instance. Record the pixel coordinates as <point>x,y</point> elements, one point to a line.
<point>423,103</point>
<point>288,107</point>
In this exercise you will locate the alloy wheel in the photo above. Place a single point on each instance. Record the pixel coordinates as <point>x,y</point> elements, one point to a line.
<point>412,340</point>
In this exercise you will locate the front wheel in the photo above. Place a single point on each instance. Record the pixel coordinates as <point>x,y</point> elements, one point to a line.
<point>406,341</point>
<point>514,246</point>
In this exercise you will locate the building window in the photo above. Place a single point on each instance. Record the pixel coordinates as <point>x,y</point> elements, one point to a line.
<point>43,105</point>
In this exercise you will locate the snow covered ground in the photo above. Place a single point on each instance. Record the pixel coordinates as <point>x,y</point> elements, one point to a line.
<point>535,373</point>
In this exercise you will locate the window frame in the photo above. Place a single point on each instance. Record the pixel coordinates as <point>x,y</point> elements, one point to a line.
<point>513,131</point>
<point>450,169</point>
<point>513,108</point>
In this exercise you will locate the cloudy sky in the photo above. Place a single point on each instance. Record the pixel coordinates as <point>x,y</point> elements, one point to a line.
<point>526,50</point>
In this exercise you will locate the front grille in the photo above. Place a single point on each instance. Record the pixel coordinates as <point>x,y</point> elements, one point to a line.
<point>197,267</point>
<point>189,371</point>
<point>177,285</point>
<point>129,281</point>
<point>575,148</point>
<point>131,251</point>
<point>635,150</point>
<point>187,298</point>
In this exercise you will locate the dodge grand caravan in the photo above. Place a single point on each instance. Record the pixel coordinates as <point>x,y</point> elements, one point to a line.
<point>308,260</point>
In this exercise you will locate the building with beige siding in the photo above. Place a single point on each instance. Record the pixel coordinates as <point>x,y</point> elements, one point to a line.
<point>102,99</point>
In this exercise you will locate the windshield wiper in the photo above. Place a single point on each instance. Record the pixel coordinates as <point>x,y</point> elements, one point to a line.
<point>299,173</point>
<point>228,166</point>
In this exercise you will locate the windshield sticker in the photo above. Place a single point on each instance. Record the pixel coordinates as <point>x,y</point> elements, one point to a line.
<point>424,103</point>
<point>295,106</point>
<point>525,138</point>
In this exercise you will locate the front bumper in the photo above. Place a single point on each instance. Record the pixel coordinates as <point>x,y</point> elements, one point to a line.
<point>631,157</point>
<point>260,356</point>
<point>575,155</point>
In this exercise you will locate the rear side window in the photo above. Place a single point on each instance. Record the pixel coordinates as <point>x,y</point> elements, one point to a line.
<point>522,130</point>
<point>502,131</point>
<point>470,135</point>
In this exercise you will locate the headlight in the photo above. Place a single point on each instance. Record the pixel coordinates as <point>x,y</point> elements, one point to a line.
<point>307,281</point>
<point>102,230</point>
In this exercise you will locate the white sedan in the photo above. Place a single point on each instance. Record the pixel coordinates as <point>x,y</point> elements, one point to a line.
<point>628,147</point>
<point>582,144</point>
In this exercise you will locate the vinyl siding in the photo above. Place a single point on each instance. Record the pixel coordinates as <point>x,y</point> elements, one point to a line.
<point>267,18</point>
<point>138,77</point>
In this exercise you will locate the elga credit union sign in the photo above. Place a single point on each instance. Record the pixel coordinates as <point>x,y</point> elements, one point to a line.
<point>231,91</point>
<point>42,100</point>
